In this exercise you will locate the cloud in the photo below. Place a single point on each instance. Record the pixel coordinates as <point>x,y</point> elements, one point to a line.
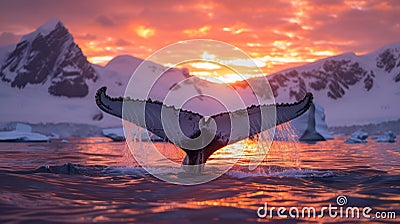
<point>7,38</point>
<point>145,32</point>
<point>105,21</point>
<point>279,32</point>
<point>367,29</point>
<point>86,36</point>
<point>122,42</point>
<point>200,32</point>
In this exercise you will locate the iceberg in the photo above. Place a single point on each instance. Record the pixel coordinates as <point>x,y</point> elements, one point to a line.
<point>117,134</point>
<point>357,137</point>
<point>311,126</point>
<point>388,136</point>
<point>355,140</point>
<point>360,135</point>
<point>22,133</point>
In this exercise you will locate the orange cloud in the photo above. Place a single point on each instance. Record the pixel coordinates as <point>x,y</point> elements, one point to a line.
<point>200,32</point>
<point>145,32</point>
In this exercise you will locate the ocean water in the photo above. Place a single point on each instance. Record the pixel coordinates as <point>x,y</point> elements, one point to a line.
<point>96,180</point>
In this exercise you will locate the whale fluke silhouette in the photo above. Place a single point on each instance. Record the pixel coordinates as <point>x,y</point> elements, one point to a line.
<point>191,122</point>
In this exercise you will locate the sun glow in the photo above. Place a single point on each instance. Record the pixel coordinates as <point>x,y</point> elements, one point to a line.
<point>217,78</point>
<point>205,65</point>
<point>218,73</point>
<point>145,32</point>
<point>101,60</point>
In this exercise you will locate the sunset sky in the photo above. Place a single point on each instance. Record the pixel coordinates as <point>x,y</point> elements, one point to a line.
<point>278,34</point>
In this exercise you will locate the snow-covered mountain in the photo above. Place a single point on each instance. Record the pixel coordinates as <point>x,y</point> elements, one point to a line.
<point>46,78</point>
<point>352,89</point>
<point>50,57</point>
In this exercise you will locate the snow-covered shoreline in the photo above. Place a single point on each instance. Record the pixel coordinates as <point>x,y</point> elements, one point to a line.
<point>374,129</point>
<point>22,133</point>
<point>59,130</point>
<point>71,130</point>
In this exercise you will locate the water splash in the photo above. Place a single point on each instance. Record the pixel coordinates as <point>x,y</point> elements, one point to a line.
<point>276,155</point>
<point>285,148</point>
<point>159,155</point>
<point>283,159</point>
<point>281,156</point>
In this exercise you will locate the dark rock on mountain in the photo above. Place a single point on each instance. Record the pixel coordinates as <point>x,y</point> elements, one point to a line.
<point>387,60</point>
<point>335,75</point>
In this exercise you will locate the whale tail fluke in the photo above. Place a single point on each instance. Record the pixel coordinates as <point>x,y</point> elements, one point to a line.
<point>147,114</point>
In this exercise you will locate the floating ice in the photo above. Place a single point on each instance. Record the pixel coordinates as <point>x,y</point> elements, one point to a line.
<point>388,136</point>
<point>357,137</point>
<point>22,133</point>
<point>117,134</point>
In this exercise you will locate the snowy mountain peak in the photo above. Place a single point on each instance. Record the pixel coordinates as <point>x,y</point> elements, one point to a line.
<point>124,64</point>
<point>395,45</point>
<point>347,55</point>
<point>126,58</point>
<point>44,29</point>
<point>49,56</point>
<point>50,25</point>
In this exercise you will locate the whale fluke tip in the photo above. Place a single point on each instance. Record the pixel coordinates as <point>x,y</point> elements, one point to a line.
<point>108,104</point>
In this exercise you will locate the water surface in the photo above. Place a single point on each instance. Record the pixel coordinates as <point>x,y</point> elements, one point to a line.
<point>102,183</point>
